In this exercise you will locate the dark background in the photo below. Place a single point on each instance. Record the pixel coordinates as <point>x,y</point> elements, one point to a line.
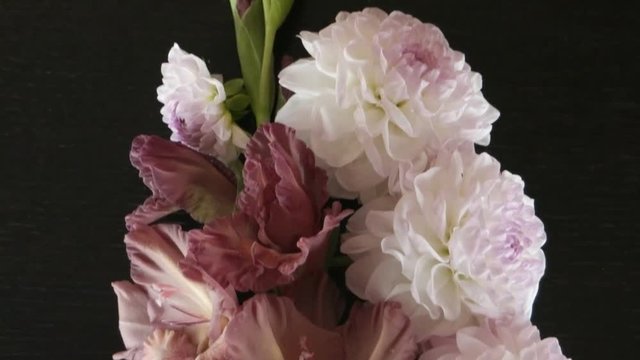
<point>78,80</point>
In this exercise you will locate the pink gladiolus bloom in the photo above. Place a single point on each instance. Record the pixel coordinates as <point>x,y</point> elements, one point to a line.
<point>168,294</point>
<point>180,178</point>
<point>269,327</point>
<point>281,225</point>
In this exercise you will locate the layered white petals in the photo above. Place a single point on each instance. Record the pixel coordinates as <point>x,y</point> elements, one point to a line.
<point>194,107</point>
<point>380,93</point>
<point>490,341</point>
<point>464,244</point>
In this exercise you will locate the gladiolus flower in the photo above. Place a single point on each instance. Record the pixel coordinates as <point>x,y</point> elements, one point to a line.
<point>281,228</point>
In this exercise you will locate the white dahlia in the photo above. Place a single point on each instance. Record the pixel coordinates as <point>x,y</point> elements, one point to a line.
<point>380,90</point>
<point>194,107</point>
<point>490,341</point>
<point>464,244</point>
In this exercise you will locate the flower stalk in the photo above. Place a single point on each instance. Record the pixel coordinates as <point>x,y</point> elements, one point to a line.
<point>256,24</point>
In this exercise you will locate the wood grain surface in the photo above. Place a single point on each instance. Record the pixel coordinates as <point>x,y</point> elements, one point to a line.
<point>78,80</point>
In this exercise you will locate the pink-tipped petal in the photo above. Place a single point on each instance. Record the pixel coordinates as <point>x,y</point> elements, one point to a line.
<point>182,177</point>
<point>168,345</point>
<point>150,211</point>
<point>155,253</point>
<point>134,323</point>
<point>269,327</point>
<point>378,332</point>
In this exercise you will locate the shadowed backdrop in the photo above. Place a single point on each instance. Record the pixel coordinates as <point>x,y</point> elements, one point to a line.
<point>78,80</point>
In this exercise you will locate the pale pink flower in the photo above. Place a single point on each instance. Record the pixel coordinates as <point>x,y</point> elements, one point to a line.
<point>281,224</point>
<point>381,90</point>
<point>490,341</point>
<point>464,244</point>
<point>179,178</point>
<point>194,107</point>
<point>168,294</point>
<point>269,327</point>
<point>165,344</point>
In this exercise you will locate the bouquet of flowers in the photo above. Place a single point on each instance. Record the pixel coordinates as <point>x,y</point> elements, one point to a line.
<point>360,223</point>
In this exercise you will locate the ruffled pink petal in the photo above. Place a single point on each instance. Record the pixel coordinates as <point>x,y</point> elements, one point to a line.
<point>227,249</point>
<point>224,299</point>
<point>282,186</point>
<point>378,332</point>
<point>134,323</point>
<point>269,327</point>
<point>168,345</point>
<point>151,210</point>
<point>182,177</point>
<point>155,253</point>
<point>316,296</point>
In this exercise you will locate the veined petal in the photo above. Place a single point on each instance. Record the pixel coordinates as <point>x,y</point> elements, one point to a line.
<point>182,177</point>
<point>269,327</point>
<point>155,253</point>
<point>133,322</point>
<point>378,332</point>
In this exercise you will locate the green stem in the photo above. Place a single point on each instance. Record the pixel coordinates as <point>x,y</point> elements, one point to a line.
<point>265,91</point>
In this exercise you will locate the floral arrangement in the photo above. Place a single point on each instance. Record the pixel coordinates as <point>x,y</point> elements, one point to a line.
<point>360,223</point>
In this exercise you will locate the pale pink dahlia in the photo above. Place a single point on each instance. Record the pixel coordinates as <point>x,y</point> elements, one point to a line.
<point>194,107</point>
<point>490,341</point>
<point>381,90</point>
<point>464,244</point>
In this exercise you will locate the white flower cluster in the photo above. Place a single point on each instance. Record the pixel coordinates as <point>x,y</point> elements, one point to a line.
<point>379,94</point>
<point>463,244</point>
<point>393,114</point>
<point>194,107</point>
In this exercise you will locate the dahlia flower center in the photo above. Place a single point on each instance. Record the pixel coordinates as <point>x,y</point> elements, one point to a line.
<point>513,246</point>
<point>415,54</point>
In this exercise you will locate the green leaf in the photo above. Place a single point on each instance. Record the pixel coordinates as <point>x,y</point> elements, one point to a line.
<point>238,102</point>
<point>280,101</point>
<point>233,87</point>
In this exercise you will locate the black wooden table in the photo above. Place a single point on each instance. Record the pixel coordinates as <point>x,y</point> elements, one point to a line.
<point>77,83</point>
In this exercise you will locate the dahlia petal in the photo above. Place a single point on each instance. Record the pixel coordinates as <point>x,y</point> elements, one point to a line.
<point>492,341</point>
<point>378,332</point>
<point>182,177</point>
<point>304,78</point>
